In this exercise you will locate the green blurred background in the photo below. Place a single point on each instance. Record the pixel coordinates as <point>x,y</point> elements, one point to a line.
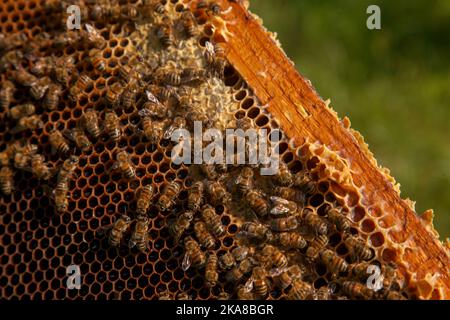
<point>393,83</point>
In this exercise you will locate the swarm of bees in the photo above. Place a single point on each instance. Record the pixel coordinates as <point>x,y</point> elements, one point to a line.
<point>280,240</point>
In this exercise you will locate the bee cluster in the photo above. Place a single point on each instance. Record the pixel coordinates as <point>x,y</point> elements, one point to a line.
<point>86,121</point>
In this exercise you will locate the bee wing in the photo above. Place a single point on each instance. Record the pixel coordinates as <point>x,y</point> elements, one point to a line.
<point>168,132</point>
<point>278,200</point>
<point>279,210</point>
<point>209,47</point>
<point>145,113</point>
<point>276,271</point>
<point>151,97</point>
<point>186,262</point>
<point>91,29</point>
<point>248,286</point>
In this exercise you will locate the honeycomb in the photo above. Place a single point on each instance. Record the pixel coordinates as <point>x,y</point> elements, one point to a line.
<point>170,40</point>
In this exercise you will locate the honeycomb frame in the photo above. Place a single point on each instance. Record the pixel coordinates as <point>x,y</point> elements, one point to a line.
<point>39,244</point>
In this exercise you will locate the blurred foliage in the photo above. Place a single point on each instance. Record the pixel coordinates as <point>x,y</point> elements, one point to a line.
<point>393,83</point>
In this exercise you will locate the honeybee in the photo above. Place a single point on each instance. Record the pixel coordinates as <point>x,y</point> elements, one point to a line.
<point>32,122</point>
<point>194,255</point>
<point>245,292</point>
<point>291,240</point>
<point>390,277</point>
<point>315,222</point>
<point>257,203</point>
<point>113,95</point>
<point>260,285</point>
<point>129,94</point>
<point>284,224</point>
<point>112,125</point>
<point>58,143</point>
<point>244,181</point>
<point>285,276</point>
<point>226,261</point>
<point>203,235</point>
<point>284,177</point>
<point>118,230</point>
<point>211,274</point>
<point>67,38</point>
<point>189,75</point>
<point>359,270</point>
<point>217,192</point>
<point>6,94</point>
<point>392,295</point>
<point>165,296</point>
<point>163,33</point>
<point>209,171</point>
<point>168,75</point>
<point>358,248</point>
<point>89,119</point>
<point>212,221</point>
<point>159,7</point>
<point>168,196</point>
<point>290,194</point>
<point>223,295</point>
<point>12,41</point>
<point>303,180</point>
<point>183,296</point>
<point>244,124</point>
<point>144,199</point>
<point>153,107</point>
<point>60,197</point>
<point>177,123</point>
<point>300,290</point>
<point>139,237</point>
<point>189,23</point>
<point>84,81</point>
<point>67,169</point>
<point>22,110</point>
<point>39,88</point>
<point>96,59</point>
<point>216,62</point>
<point>39,168</point>
<point>153,130</point>
<point>240,252</point>
<point>334,263</point>
<point>61,70</point>
<point>339,220</point>
<point>282,206</point>
<point>316,246</point>
<point>357,290</point>
<point>256,230</point>
<point>22,77</point>
<point>277,258</point>
<point>6,180</point>
<point>94,37</point>
<point>181,224</point>
<point>123,163</point>
<point>78,136</point>
<point>22,160</point>
<point>195,196</point>
<point>51,98</point>
<point>238,272</point>
<point>323,293</point>
<point>42,67</point>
